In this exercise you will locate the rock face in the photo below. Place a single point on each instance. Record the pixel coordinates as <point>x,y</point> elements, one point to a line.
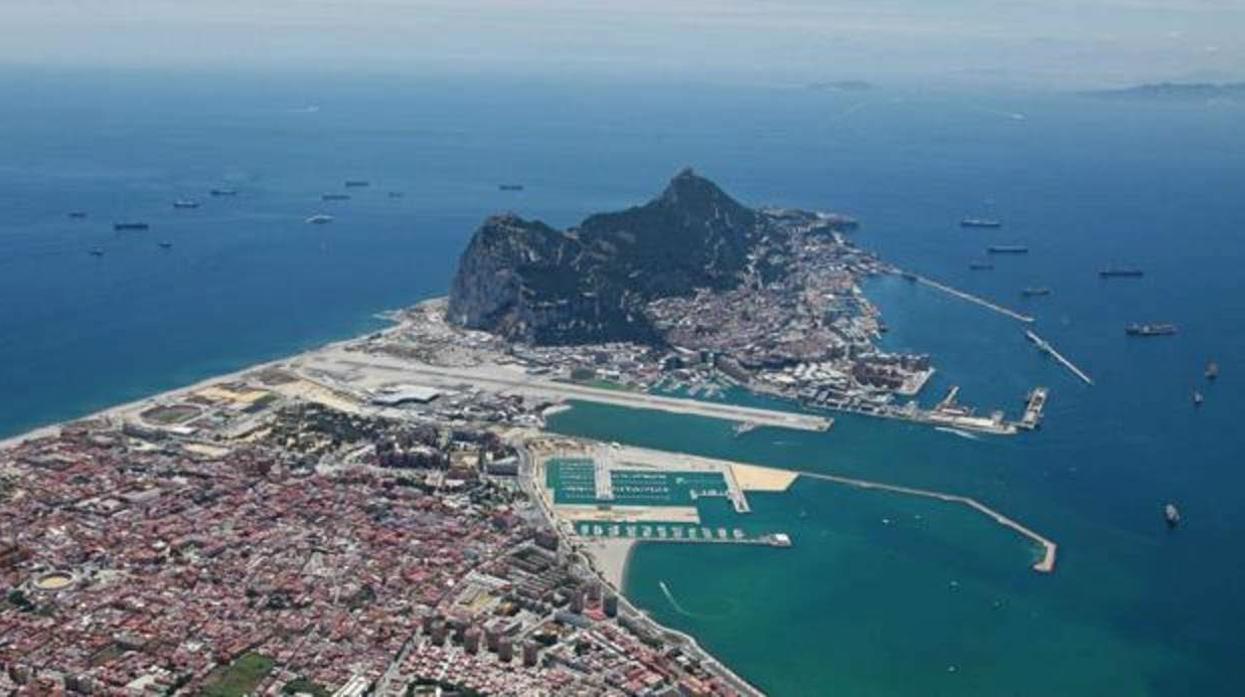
<point>529,282</point>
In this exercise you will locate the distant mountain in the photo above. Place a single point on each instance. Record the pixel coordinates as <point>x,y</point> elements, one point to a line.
<point>530,282</point>
<point>1176,92</point>
<point>841,85</point>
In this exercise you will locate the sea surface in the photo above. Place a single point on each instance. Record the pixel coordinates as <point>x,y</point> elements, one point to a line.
<point>880,594</point>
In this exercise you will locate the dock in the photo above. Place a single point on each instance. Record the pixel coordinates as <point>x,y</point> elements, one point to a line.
<point>1044,346</point>
<point>1045,565</point>
<point>1033,409</point>
<point>969,297</point>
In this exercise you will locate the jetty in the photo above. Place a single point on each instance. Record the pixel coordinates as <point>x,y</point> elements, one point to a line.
<point>1045,565</point>
<point>1045,347</point>
<point>969,297</point>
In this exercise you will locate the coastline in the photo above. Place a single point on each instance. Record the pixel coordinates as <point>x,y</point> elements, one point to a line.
<point>142,402</point>
<point>611,557</point>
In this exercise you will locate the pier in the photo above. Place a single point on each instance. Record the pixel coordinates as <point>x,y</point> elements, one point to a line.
<point>969,297</point>
<point>1044,346</point>
<point>1044,565</point>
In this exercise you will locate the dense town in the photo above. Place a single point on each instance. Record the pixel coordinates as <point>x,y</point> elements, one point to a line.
<point>271,535</point>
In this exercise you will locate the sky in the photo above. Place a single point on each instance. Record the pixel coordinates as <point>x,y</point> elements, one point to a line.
<point>1049,43</point>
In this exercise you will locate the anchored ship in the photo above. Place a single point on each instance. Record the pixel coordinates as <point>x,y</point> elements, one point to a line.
<point>981,222</point>
<point>1030,292</point>
<point>357,183</point>
<point>510,187</point>
<point>129,226</point>
<point>96,252</point>
<point>980,266</point>
<point>320,219</point>
<point>1150,329</point>
<point>77,215</point>
<point>224,192</point>
<point>1172,515</point>
<point>335,197</point>
<point>1007,249</point>
<point>185,203</point>
<point>1121,273</point>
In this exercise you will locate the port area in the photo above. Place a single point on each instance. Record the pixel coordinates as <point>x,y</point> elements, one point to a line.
<point>373,370</point>
<point>948,413</point>
<point>610,491</point>
<point>965,296</point>
<point>652,495</point>
<point>1045,347</point>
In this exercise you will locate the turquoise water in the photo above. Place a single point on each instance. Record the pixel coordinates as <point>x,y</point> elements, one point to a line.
<point>857,606</point>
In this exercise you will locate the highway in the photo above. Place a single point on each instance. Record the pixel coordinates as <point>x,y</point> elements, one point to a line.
<point>497,379</point>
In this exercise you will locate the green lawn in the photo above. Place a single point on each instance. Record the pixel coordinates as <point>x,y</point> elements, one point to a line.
<point>304,686</point>
<point>239,679</point>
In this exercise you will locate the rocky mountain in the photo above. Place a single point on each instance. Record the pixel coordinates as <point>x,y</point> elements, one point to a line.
<point>530,282</point>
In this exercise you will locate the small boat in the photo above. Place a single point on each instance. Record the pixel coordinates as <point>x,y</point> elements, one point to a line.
<point>396,194</point>
<point>334,197</point>
<point>908,275</point>
<point>1031,292</point>
<point>119,227</point>
<point>1198,398</point>
<point>1171,514</point>
<point>357,183</point>
<point>224,192</point>
<point>319,219</point>
<point>96,252</point>
<point>165,245</point>
<point>1212,370</point>
<point>185,203</point>
<point>981,222</point>
<point>77,215</point>
<point>1150,329</point>
<point>1120,273</point>
<point>510,187</point>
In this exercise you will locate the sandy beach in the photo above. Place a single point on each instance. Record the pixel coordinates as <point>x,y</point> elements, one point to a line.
<point>610,556</point>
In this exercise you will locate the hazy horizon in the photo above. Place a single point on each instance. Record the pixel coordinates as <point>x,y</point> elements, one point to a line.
<point>1061,43</point>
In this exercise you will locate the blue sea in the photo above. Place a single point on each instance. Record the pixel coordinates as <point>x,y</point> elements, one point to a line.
<point>939,601</point>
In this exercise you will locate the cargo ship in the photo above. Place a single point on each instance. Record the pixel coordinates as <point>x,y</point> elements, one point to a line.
<point>1121,273</point>
<point>1031,292</point>
<point>129,226</point>
<point>224,192</point>
<point>1150,329</point>
<point>980,222</point>
<point>1007,249</point>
